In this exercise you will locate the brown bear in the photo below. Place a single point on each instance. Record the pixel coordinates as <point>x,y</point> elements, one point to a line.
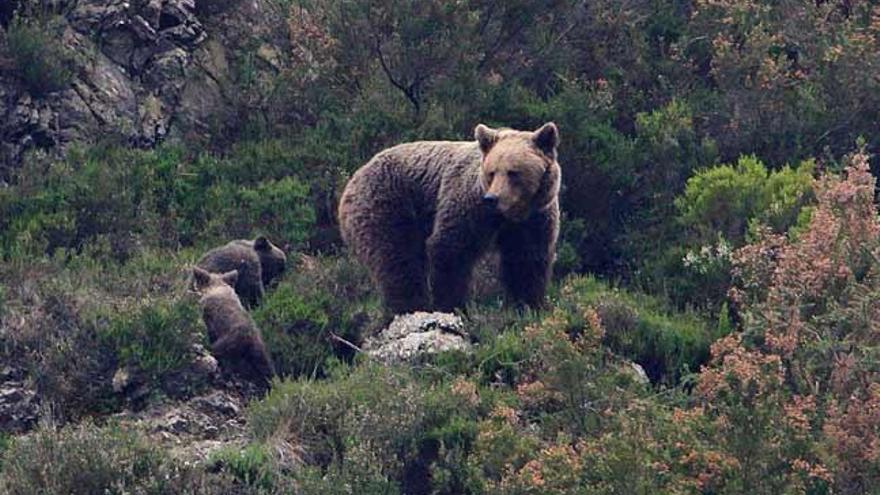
<point>419,215</point>
<point>258,262</point>
<point>235,340</point>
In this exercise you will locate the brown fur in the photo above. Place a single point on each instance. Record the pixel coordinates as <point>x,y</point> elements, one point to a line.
<point>258,262</point>
<point>235,340</point>
<point>416,216</point>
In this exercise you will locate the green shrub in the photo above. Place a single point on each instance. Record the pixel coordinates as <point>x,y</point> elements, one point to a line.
<point>41,62</point>
<point>87,460</point>
<point>133,198</point>
<point>719,210</point>
<point>155,339</point>
<point>668,345</point>
<point>373,425</point>
<point>280,207</point>
<point>251,465</point>
<point>323,410</point>
<point>5,443</point>
<point>295,330</point>
<point>726,199</point>
<point>318,302</point>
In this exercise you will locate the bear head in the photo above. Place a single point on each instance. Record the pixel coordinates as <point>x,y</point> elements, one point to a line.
<point>519,173</point>
<point>207,283</point>
<point>272,259</point>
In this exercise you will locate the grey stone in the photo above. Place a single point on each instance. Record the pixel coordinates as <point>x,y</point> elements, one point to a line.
<point>414,336</point>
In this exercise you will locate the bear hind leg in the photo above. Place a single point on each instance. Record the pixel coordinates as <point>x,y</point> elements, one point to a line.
<point>398,266</point>
<point>403,281</point>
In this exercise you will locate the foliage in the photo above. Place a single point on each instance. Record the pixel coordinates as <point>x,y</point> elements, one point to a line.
<point>724,201</point>
<point>790,393</point>
<point>318,303</point>
<point>251,466</point>
<point>667,345</point>
<point>160,198</point>
<point>87,459</point>
<point>70,322</point>
<point>155,339</point>
<point>649,97</point>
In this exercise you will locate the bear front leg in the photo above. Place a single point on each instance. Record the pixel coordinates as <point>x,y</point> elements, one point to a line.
<point>527,254</point>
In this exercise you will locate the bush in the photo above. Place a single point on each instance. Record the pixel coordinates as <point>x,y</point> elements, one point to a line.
<point>725,200</point>
<point>318,302</point>
<point>132,199</point>
<point>155,339</point>
<point>281,207</point>
<point>70,365</point>
<point>373,425</point>
<point>41,62</point>
<point>69,322</point>
<point>251,466</point>
<point>87,460</point>
<point>668,345</point>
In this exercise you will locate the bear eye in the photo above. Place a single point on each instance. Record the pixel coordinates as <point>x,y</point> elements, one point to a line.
<point>513,174</point>
<point>491,176</point>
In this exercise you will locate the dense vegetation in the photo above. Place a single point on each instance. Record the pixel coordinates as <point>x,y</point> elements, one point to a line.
<point>719,228</point>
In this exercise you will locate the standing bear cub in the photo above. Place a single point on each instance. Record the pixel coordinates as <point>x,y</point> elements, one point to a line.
<point>419,215</point>
<point>258,262</point>
<point>235,340</point>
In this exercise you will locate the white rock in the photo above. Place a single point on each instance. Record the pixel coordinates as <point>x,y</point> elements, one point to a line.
<point>412,336</point>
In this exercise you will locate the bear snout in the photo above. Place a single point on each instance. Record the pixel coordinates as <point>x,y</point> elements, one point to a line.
<point>490,200</point>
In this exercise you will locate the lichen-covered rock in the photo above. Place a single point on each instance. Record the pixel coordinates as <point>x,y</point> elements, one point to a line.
<point>414,336</point>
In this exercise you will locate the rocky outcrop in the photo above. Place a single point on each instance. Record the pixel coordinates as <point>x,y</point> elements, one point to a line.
<point>144,70</point>
<point>193,429</point>
<point>415,336</point>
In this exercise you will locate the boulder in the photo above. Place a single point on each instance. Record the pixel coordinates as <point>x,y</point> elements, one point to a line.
<point>413,337</point>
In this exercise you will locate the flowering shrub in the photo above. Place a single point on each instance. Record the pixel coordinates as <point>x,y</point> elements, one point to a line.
<point>793,392</point>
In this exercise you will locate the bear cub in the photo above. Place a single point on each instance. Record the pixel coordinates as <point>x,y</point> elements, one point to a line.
<point>258,262</point>
<point>235,340</point>
<point>419,215</point>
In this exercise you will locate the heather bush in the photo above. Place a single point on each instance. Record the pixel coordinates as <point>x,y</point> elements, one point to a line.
<point>70,322</point>
<point>788,396</point>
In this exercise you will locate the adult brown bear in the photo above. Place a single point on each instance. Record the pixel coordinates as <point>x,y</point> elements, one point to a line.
<point>420,215</point>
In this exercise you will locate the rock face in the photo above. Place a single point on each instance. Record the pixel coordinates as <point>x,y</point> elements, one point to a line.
<point>143,71</point>
<point>412,337</point>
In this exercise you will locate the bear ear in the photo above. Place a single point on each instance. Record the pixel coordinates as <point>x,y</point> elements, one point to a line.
<point>201,277</point>
<point>547,138</point>
<point>486,137</point>
<point>230,278</point>
<point>262,244</point>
